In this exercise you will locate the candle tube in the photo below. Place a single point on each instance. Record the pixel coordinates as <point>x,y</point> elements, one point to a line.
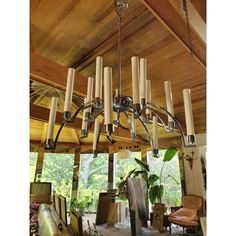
<point>188,112</point>
<point>69,89</point>
<point>84,121</point>
<point>98,77</point>
<point>108,100</point>
<point>52,118</point>
<point>169,99</point>
<point>133,125</point>
<point>154,130</point>
<point>148,95</point>
<point>90,89</point>
<point>143,77</point>
<point>95,134</point>
<point>135,79</point>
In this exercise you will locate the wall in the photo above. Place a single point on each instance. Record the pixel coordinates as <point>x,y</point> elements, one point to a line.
<point>194,177</point>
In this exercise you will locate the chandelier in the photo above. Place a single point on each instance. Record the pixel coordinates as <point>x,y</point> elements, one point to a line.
<point>139,107</point>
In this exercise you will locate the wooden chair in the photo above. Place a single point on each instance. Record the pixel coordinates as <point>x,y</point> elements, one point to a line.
<point>76,226</point>
<point>188,215</point>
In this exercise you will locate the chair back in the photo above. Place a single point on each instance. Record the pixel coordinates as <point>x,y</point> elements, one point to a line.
<point>76,224</point>
<point>193,202</point>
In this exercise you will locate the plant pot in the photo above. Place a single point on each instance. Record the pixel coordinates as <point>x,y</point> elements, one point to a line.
<point>80,211</point>
<point>158,216</point>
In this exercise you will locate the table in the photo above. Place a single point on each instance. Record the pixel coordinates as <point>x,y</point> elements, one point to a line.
<point>166,221</point>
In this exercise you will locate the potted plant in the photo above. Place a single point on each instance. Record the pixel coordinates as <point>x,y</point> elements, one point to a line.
<point>156,190</point>
<point>155,185</point>
<point>79,205</point>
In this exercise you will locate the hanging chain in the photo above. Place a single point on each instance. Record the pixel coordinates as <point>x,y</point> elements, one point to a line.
<point>120,6</point>
<point>185,8</point>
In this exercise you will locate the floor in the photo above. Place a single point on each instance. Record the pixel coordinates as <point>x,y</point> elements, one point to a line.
<point>118,230</point>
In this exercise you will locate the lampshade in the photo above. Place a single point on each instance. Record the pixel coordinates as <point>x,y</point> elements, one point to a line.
<point>123,154</point>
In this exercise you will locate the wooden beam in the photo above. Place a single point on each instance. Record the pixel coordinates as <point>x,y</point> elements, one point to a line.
<point>42,114</point>
<point>167,14</point>
<point>201,7</point>
<point>195,19</point>
<point>48,72</point>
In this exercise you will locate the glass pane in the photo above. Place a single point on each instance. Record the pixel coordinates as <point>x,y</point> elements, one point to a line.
<point>58,169</point>
<point>124,166</point>
<point>170,177</point>
<point>33,162</point>
<point>93,179</point>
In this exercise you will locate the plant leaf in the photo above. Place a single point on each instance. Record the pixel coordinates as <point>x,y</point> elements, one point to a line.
<point>176,181</point>
<point>142,164</point>
<point>153,193</point>
<point>169,154</point>
<point>152,179</point>
<point>138,172</point>
<point>130,173</point>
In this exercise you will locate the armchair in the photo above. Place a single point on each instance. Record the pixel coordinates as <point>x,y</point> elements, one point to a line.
<point>188,215</point>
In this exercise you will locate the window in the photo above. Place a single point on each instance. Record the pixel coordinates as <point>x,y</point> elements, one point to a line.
<point>170,177</point>
<point>33,162</point>
<point>58,169</point>
<point>93,179</point>
<point>124,166</point>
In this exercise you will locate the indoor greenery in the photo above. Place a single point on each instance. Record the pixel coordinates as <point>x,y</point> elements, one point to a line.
<point>155,183</point>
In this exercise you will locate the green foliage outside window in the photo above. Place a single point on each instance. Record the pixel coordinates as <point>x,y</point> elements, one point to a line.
<point>172,192</point>
<point>123,167</point>
<point>33,162</point>
<point>58,169</point>
<point>92,180</point>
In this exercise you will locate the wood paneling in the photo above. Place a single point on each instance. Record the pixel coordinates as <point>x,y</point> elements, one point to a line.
<point>73,33</point>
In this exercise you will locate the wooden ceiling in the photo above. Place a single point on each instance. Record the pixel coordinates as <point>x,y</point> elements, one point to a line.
<point>71,33</point>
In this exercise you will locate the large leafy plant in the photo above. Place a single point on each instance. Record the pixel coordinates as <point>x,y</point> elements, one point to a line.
<point>154,183</point>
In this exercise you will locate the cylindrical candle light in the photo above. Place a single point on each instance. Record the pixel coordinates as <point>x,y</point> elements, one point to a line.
<point>90,91</point>
<point>98,78</point>
<point>69,92</point>
<point>155,138</point>
<point>108,100</point>
<point>133,125</point>
<point>143,77</point>
<point>188,112</point>
<point>95,136</point>
<point>52,118</point>
<point>169,100</point>
<point>135,79</point>
<point>84,121</point>
<point>148,96</point>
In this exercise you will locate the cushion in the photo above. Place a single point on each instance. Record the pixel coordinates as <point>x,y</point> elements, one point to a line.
<point>186,212</point>
<point>183,220</point>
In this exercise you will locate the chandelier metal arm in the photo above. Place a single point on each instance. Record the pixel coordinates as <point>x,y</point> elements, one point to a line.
<point>176,121</point>
<point>161,120</point>
<point>131,126</point>
<point>95,152</point>
<point>147,131</point>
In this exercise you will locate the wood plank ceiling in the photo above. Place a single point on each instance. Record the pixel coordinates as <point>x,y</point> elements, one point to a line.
<point>72,33</point>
